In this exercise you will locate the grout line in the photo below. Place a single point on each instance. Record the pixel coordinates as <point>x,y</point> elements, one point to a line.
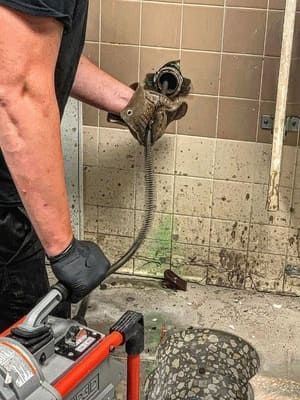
<point>220,71</point>
<point>187,3</point>
<point>291,226</point>
<point>136,150</point>
<point>257,130</point>
<point>175,147</point>
<point>262,70</point>
<point>99,54</point>
<point>199,177</point>
<point>140,40</point>
<point>187,49</point>
<point>216,133</point>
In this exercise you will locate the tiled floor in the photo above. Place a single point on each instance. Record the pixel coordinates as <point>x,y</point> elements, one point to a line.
<point>270,323</point>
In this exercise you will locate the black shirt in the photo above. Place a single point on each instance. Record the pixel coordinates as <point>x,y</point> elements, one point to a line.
<point>72,14</point>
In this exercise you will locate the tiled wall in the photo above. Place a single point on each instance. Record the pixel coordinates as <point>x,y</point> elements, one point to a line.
<point>212,167</point>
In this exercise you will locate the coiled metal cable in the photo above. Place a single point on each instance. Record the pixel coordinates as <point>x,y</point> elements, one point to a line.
<point>148,218</point>
<point>147,222</point>
<point>149,207</point>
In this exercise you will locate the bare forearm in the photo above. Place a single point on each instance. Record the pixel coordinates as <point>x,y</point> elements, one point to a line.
<point>95,87</point>
<point>30,141</point>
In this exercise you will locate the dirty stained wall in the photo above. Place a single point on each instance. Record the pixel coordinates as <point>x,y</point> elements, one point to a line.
<point>212,168</point>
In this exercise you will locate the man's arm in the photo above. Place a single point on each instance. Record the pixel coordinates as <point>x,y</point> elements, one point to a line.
<point>30,123</point>
<point>96,88</point>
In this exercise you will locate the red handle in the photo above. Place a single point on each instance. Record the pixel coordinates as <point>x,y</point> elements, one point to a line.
<point>133,377</point>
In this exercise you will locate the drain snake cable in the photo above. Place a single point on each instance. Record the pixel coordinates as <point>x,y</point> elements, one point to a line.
<point>148,217</point>
<point>147,222</point>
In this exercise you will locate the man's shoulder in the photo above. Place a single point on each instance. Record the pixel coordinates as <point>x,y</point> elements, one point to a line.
<point>62,10</point>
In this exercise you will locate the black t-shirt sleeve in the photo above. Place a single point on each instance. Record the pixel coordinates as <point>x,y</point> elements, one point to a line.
<point>62,10</point>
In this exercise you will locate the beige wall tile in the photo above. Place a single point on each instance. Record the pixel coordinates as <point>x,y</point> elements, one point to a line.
<point>114,247</point>
<point>227,268</point>
<point>190,262</point>
<point>232,200</point>
<point>277,4</point>
<point>260,215</point>
<point>89,115</point>
<point>161,229</point>
<point>163,155</point>
<point>109,187</point>
<point>235,160</point>
<point>205,2</point>
<point>116,221</point>
<point>154,32</point>
<point>292,286</point>
<point>195,156</point>
<point>274,33</point>
<point>191,230</point>
<point>202,28</point>
<point>246,36</point>
<point>203,70</point>
<point>238,119</point>
<point>91,51</point>
<point>247,3</point>
<point>294,86</point>
<point>193,196</point>
<point>92,236</point>
<point>90,146</point>
<point>268,239</point>
<point>288,166</point>
<point>153,258</point>
<point>229,234</point>
<point>280,4</point>
<point>117,149</point>
<point>262,162</point>
<point>90,191</point>
<point>295,209</point>
<point>200,119</point>
<point>120,21</point>
<point>120,61</point>
<point>92,32</point>
<point>164,192</point>
<point>293,243</point>
<point>296,44</point>
<point>265,272</point>
<point>241,76</point>
<point>270,78</point>
<point>297,178</point>
<point>292,283</point>
<point>90,218</point>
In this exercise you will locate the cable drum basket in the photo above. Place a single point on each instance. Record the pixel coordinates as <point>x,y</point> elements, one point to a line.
<point>203,364</point>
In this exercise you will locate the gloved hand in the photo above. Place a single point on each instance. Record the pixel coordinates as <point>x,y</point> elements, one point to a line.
<point>150,108</point>
<point>81,268</point>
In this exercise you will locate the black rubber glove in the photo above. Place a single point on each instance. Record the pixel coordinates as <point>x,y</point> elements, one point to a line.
<point>81,268</point>
<point>150,108</point>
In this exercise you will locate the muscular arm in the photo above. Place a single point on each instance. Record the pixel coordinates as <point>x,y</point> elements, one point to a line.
<point>30,123</point>
<point>98,89</point>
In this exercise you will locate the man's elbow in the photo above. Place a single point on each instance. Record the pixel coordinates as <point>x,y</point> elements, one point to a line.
<point>10,138</point>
